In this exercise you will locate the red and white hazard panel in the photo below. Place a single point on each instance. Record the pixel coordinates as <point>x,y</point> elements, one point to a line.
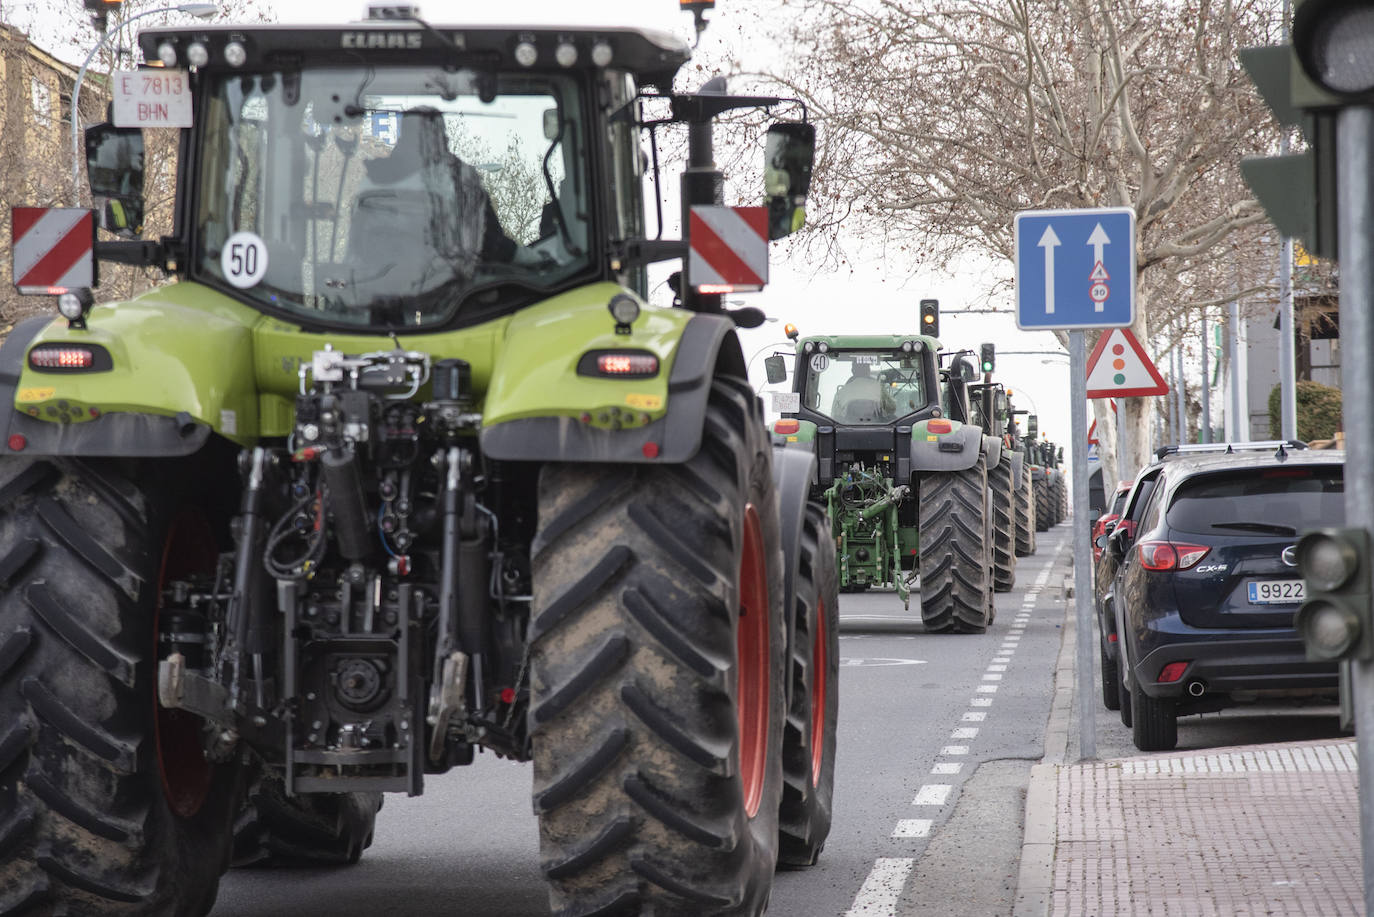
<point>53,249</point>
<point>729,249</point>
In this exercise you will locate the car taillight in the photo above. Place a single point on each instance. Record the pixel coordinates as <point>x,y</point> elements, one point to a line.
<point>1165,555</point>
<point>786,427</point>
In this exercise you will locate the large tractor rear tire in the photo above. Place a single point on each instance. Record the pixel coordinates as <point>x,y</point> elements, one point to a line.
<point>1062,489</point>
<point>107,802</point>
<point>953,553</point>
<point>316,830</point>
<point>1025,515</point>
<point>809,744</point>
<point>1044,512</point>
<point>1001,481</point>
<point>657,644</point>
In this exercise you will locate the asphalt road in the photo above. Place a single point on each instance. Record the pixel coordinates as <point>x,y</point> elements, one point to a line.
<point>937,735</point>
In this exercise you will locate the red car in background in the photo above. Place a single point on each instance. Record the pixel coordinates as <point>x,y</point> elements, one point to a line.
<point>1109,518</point>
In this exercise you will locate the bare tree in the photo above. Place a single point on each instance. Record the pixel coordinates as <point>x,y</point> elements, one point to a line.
<point>942,119</point>
<point>34,132</point>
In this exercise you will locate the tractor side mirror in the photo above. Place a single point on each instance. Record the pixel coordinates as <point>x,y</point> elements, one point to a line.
<point>114,166</point>
<point>776,368</point>
<point>789,151</point>
<point>965,370</point>
<point>1032,426</point>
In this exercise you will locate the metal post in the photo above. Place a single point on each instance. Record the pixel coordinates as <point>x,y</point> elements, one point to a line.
<point>1288,376</point>
<point>1174,427</point>
<point>1206,390</point>
<point>1288,396</point>
<point>1182,395</point>
<point>1240,420</point>
<point>702,183</point>
<point>1124,464</point>
<point>1082,549</point>
<point>1355,233</point>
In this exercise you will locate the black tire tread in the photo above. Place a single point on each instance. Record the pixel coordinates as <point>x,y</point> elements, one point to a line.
<point>953,550</point>
<point>1025,514</point>
<point>86,827</point>
<point>634,728</point>
<point>1001,481</point>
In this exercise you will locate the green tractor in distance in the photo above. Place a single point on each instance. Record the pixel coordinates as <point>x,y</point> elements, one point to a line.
<point>403,466</point>
<point>1018,443</point>
<point>905,484</point>
<point>1050,487</point>
<point>991,410</point>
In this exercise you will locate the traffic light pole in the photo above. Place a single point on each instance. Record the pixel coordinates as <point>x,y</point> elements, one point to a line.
<point>1355,143</point>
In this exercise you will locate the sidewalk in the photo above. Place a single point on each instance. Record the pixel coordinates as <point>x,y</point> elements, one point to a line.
<point>1262,830</point>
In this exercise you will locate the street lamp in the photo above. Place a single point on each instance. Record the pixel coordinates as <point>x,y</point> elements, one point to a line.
<point>201,10</point>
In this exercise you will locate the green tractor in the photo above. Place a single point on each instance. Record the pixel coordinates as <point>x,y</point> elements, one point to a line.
<point>1051,490</point>
<point>1025,485</point>
<point>403,466</point>
<point>991,410</point>
<point>901,470</point>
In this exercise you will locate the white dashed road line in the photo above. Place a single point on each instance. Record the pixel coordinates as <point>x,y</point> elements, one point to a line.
<point>882,889</point>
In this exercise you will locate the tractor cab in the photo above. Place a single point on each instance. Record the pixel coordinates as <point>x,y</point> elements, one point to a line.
<point>860,396</point>
<point>989,408</point>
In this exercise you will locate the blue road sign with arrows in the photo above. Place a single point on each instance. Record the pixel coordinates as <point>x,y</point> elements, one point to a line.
<point>1075,268</point>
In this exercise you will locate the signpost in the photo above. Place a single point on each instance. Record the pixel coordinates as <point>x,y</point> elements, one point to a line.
<point>1075,269</point>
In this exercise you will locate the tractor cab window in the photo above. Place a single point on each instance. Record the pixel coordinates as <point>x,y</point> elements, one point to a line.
<point>392,197</point>
<point>864,387</point>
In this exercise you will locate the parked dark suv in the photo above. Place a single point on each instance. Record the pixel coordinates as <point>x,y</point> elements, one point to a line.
<point>1208,586</point>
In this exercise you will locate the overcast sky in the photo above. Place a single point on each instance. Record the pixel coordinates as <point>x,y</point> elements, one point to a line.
<point>875,297</point>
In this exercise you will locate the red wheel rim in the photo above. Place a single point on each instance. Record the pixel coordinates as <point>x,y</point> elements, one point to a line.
<point>186,774</point>
<point>752,645</point>
<point>820,665</point>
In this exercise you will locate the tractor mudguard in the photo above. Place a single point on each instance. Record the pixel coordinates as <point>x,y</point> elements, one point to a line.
<point>992,448</point>
<point>539,408</point>
<point>953,451</point>
<point>172,366</point>
<point>793,472</point>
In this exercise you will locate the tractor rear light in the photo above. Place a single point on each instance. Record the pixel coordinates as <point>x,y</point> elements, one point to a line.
<point>1164,555</point>
<point>618,364</point>
<point>167,54</point>
<point>69,358</point>
<point>1111,638</point>
<point>197,55</point>
<point>1172,672</point>
<point>786,427</point>
<point>939,426</point>
<point>17,442</point>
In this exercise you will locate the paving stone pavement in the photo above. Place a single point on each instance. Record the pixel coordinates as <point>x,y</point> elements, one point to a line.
<point>1258,830</point>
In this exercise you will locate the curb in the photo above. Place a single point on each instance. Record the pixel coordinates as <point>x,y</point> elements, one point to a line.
<point>1035,877</point>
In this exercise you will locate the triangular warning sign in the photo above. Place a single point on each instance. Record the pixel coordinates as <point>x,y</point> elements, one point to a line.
<point>1099,273</point>
<point>1119,368</point>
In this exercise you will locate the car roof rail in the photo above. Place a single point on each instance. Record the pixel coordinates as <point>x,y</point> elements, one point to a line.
<point>1260,445</point>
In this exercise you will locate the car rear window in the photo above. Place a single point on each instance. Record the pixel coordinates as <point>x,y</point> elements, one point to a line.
<point>1294,498</point>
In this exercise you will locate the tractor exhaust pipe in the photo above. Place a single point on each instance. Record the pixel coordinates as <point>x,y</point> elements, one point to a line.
<point>1196,688</point>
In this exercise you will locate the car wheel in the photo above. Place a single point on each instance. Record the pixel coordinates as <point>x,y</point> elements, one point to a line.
<point>1154,725</point>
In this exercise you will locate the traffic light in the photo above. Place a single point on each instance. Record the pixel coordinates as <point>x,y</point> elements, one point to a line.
<point>987,354</point>
<point>1305,84</point>
<point>1334,40</point>
<point>930,317</point>
<point>100,11</point>
<point>1335,618</point>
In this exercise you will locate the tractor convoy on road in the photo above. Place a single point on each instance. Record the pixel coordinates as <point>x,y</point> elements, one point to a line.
<point>927,479</point>
<point>401,466</point>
